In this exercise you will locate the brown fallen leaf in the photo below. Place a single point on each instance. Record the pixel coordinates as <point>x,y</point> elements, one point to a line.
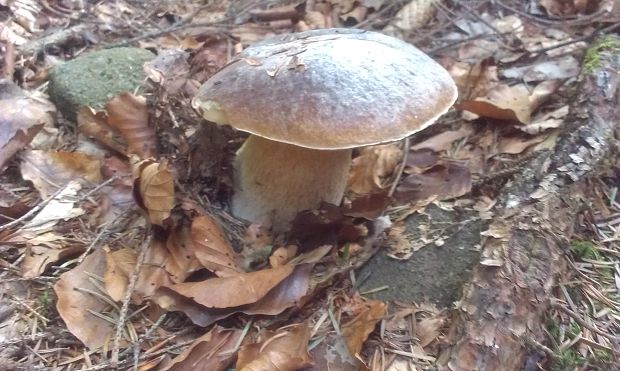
<point>119,266</point>
<point>511,103</point>
<point>285,349</point>
<point>371,166</point>
<point>443,181</point>
<point>428,329</point>
<point>288,293</point>
<point>210,352</point>
<point>154,189</point>
<point>282,255</point>
<point>21,118</point>
<point>211,247</point>
<point>75,305</point>
<point>248,287</point>
<point>45,250</point>
<point>356,330</point>
<point>50,170</point>
<point>128,114</point>
<point>181,261</point>
<point>94,125</point>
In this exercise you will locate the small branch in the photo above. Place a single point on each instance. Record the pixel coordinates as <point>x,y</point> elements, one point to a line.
<point>32,212</point>
<point>9,61</point>
<point>130,289</point>
<point>582,322</point>
<point>59,37</point>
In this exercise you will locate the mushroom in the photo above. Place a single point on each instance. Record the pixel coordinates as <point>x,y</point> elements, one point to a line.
<point>307,99</point>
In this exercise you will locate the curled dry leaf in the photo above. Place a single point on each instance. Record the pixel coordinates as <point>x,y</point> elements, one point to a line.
<point>50,170</point>
<point>210,352</point>
<point>371,166</point>
<point>286,349</point>
<point>21,118</point>
<point>119,266</point>
<point>248,288</point>
<point>288,293</point>
<point>282,255</point>
<point>212,249</point>
<point>127,114</point>
<point>154,189</point>
<point>356,330</point>
<point>75,305</point>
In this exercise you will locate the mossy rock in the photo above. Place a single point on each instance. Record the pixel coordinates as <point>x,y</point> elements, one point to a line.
<point>434,273</point>
<point>93,79</point>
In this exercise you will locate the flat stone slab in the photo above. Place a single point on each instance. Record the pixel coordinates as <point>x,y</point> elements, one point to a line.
<point>94,78</point>
<point>437,271</point>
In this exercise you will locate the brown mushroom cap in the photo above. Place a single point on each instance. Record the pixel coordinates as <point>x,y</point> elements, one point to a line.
<point>329,89</point>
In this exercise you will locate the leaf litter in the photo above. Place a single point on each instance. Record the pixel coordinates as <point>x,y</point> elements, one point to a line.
<point>209,267</point>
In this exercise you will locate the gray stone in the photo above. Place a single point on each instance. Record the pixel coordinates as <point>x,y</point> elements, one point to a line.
<point>94,78</point>
<point>434,273</point>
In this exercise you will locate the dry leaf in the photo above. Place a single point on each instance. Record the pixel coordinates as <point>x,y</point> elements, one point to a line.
<point>181,261</point>
<point>443,181</point>
<point>247,288</point>
<point>153,273</point>
<point>428,329</point>
<point>286,349</point>
<point>373,164</point>
<point>210,352</point>
<point>94,125</point>
<point>61,207</point>
<point>74,306</point>
<point>119,266</point>
<point>127,114</point>
<point>282,255</point>
<point>21,118</point>
<point>511,103</point>
<point>50,170</point>
<point>356,330</point>
<point>154,188</point>
<point>212,249</point>
<point>44,250</point>
<point>288,293</point>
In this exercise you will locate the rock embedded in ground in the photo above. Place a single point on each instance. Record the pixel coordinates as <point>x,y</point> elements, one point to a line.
<point>94,78</point>
<point>433,273</point>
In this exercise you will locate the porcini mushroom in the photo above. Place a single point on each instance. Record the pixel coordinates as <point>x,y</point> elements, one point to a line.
<point>307,99</point>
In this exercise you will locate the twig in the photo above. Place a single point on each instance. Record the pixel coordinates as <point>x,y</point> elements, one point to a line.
<point>92,244</point>
<point>183,23</point>
<point>401,167</point>
<point>59,37</point>
<point>130,288</point>
<point>564,22</point>
<point>587,37</point>
<point>9,61</point>
<point>32,212</point>
<point>583,322</point>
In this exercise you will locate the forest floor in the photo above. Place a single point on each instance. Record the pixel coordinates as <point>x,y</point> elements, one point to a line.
<point>117,250</point>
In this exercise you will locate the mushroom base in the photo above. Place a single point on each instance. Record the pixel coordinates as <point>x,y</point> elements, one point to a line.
<point>286,179</point>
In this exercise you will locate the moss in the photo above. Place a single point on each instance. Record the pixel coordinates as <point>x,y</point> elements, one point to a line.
<point>567,359</point>
<point>585,250</point>
<point>95,78</point>
<point>592,59</point>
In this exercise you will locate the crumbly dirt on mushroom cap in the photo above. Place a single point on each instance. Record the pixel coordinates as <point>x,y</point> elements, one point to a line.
<point>329,89</point>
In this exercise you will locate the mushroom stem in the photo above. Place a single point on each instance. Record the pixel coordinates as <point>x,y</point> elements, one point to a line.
<point>285,179</point>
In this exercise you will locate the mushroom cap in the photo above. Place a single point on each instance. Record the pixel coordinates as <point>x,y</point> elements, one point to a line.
<point>328,89</point>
